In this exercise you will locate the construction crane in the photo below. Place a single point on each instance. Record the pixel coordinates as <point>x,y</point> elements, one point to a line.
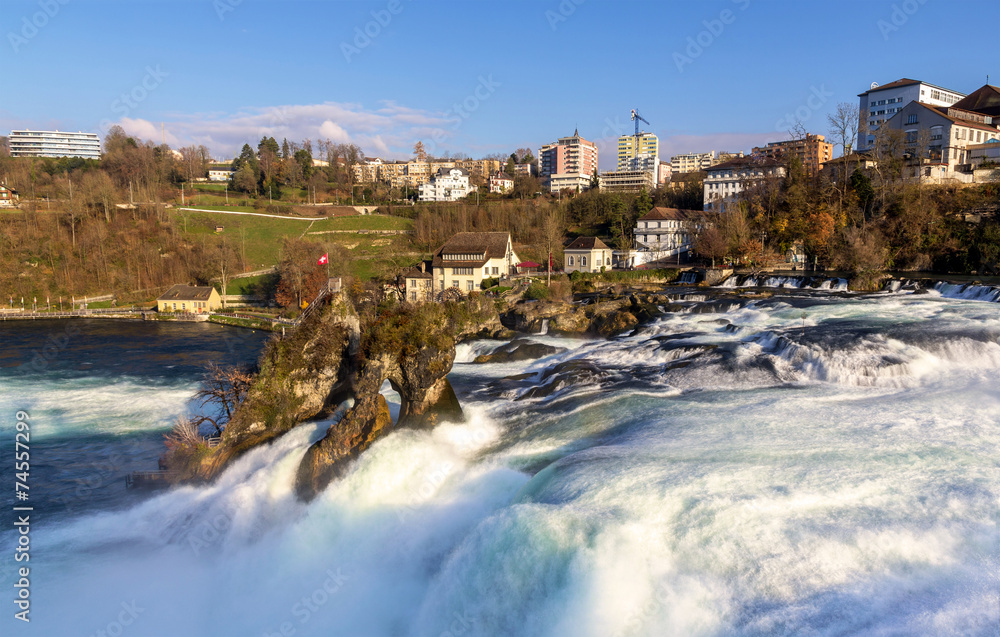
<point>636,117</point>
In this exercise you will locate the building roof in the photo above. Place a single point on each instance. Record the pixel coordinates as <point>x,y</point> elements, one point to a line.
<point>485,245</point>
<point>985,100</point>
<point>187,293</point>
<point>8,188</point>
<point>670,214</point>
<point>943,112</point>
<point>905,82</point>
<point>416,272</point>
<point>746,162</point>
<point>587,243</point>
<point>898,83</point>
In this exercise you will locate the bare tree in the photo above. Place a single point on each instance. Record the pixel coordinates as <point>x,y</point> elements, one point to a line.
<point>223,388</point>
<point>844,123</point>
<point>553,230</point>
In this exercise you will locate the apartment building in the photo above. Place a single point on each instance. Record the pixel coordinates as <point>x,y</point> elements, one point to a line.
<point>723,182</point>
<point>632,149</point>
<point>694,162</point>
<point>879,103</point>
<point>666,232</point>
<point>447,185</point>
<point>29,143</point>
<point>938,140</point>
<point>568,163</point>
<point>813,151</point>
<point>627,180</point>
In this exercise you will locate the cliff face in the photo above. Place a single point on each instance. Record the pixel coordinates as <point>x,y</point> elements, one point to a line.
<point>337,354</point>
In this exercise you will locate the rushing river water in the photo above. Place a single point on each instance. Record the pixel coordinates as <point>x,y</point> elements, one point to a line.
<point>808,464</point>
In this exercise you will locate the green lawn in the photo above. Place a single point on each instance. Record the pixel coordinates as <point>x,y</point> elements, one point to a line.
<point>260,237</point>
<point>245,285</point>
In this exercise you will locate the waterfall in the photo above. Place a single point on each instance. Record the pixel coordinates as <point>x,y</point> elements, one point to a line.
<point>545,327</point>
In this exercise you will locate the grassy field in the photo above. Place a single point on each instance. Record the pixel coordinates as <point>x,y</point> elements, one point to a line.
<point>259,238</point>
<point>245,285</point>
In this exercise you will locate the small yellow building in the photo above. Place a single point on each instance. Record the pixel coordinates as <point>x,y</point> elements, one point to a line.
<point>189,298</point>
<point>587,254</point>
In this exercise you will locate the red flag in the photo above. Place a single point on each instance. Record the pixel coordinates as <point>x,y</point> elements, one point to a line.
<point>323,260</point>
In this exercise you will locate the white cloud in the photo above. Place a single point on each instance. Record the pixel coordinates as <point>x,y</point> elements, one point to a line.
<point>389,130</point>
<point>334,132</point>
<point>148,130</point>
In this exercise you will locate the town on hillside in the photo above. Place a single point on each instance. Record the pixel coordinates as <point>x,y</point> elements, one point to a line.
<point>905,178</point>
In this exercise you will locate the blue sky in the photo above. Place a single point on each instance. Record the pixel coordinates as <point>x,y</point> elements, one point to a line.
<point>472,76</point>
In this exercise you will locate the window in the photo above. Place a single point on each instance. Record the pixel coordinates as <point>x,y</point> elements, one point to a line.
<point>469,285</point>
<point>454,284</point>
<point>911,119</point>
<point>571,261</point>
<point>496,270</point>
<point>175,307</point>
<point>583,262</point>
<point>413,295</point>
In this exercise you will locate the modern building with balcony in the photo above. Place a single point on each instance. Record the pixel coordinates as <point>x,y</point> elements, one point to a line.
<point>447,185</point>
<point>568,163</point>
<point>813,151</point>
<point>725,181</point>
<point>879,103</point>
<point>33,143</point>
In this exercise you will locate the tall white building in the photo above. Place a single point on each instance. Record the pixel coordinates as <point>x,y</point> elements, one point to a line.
<point>723,182</point>
<point>44,143</point>
<point>447,185</point>
<point>879,103</point>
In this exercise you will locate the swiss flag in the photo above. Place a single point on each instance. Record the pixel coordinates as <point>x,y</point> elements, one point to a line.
<point>323,260</point>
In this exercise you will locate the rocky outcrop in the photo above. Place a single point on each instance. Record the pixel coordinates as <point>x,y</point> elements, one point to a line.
<point>336,355</point>
<point>601,317</point>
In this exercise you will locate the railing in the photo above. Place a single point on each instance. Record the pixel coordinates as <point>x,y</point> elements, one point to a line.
<point>29,314</point>
<point>147,478</point>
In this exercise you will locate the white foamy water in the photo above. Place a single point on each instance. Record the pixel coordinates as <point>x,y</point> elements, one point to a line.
<point>826,468</point>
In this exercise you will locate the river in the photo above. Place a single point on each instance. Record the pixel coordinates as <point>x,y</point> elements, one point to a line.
<point>812,463</point>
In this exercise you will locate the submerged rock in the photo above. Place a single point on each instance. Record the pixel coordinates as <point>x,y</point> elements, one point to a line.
<point>518,350</point>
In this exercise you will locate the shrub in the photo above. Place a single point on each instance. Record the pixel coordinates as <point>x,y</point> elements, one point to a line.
<point>489,283</point>
<point>536,291</point>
